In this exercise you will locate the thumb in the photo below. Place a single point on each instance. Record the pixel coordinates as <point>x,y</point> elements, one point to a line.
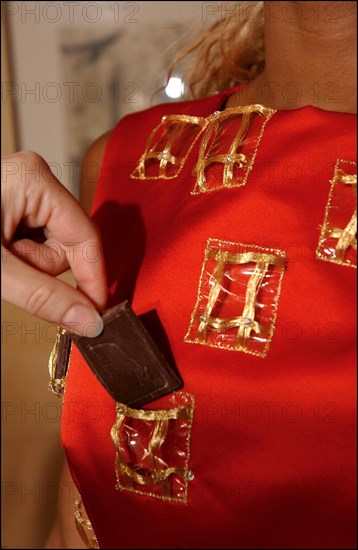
<point>47,297</point>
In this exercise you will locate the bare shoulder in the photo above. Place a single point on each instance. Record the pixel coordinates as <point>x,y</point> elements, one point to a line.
<point>90,170</point>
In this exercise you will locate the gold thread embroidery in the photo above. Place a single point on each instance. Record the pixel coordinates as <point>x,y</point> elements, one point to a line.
<point>84,527</point>
<point>57,385</point>
<point>232,158</point>
<point>335,243</point>
<point>210,329</point>
<point>129,474</point>
<point>169,130</point>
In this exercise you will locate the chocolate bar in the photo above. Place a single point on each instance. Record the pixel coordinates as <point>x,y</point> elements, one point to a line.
<point>126,360</point>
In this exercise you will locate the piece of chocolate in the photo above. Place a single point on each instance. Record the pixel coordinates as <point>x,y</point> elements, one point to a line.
<point>126,360</point>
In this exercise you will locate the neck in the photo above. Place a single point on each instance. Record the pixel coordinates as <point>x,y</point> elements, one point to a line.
<point>310,56</point>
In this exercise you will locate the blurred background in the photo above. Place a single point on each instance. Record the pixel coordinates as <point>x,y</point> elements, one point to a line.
<point>70,71</point>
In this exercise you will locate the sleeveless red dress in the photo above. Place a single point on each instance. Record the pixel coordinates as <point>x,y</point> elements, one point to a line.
<point>237,229</point>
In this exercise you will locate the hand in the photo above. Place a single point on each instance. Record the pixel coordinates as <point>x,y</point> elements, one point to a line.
<point>33,199</point>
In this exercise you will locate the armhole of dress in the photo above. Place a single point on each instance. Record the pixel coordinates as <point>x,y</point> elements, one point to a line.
<point>84,526</point>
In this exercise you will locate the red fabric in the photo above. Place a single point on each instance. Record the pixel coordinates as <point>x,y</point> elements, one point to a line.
<point>273,443</point>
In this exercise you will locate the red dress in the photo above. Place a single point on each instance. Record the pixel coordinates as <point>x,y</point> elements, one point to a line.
<point>237,228</point>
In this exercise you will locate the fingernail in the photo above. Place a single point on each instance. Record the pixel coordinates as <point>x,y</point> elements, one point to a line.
<point>83,320</point>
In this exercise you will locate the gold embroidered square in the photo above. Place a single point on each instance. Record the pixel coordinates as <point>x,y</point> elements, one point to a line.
<point>238,296</point>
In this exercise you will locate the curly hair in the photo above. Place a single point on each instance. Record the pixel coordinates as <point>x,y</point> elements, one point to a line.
<point>229,52</point>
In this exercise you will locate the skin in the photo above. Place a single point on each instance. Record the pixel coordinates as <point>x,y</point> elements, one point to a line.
<point>309,44</point>
<point>310,58</point>
<point>36,199</point>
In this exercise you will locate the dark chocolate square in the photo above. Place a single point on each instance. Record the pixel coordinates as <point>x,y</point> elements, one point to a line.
<point>126,360</point>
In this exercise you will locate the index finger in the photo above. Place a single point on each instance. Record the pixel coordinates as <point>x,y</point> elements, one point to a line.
<point>79,237</point>
<point>50,205</point>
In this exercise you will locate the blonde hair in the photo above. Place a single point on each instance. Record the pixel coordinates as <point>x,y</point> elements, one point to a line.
<point>229,52</point>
